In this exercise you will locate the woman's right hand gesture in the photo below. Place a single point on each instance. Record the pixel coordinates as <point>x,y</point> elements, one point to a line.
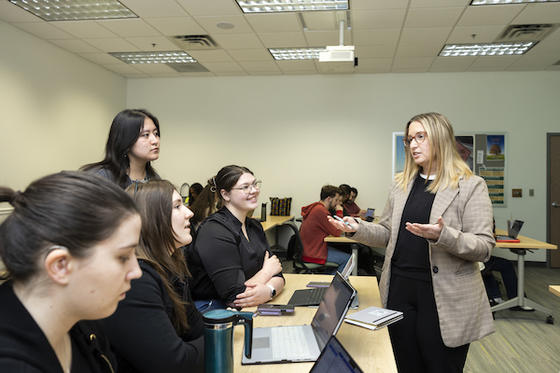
<point>349,225</point>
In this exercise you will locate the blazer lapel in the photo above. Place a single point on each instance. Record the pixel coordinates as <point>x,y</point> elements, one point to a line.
<point>442,201</point>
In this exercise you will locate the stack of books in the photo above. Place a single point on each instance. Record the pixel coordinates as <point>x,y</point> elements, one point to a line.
<point>374,317</point>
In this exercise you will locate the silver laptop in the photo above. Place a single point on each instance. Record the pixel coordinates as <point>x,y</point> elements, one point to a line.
<point>299,343</point>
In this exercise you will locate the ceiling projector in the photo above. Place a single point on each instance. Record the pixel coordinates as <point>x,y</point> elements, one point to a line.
<point>337,53</point>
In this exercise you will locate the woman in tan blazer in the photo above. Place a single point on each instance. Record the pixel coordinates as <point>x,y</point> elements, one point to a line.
<point>436,225</point>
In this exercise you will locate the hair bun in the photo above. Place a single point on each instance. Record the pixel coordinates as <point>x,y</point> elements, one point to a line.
<point>16,199</point>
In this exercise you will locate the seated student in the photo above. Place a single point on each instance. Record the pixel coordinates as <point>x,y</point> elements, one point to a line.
<point>315,227</point>
<point>132,144</point>
<point>68,247</point>
<point>350,206</point>
<point>194,192</point>
<point>206,204</point>
<point>344,196</point>
<point>157,328</point>
<point>230,260</point>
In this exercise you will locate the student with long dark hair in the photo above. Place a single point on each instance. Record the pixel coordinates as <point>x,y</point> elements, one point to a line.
<point>69,250</point>
<point>157,328</point>
<point>132,145</point>
<point>231,261</point>
<point>205,205</point>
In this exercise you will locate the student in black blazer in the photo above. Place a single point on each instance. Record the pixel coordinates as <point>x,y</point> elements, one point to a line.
<point>69,250</point>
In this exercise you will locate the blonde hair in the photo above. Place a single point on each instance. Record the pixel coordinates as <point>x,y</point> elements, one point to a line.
<point>444,158</point>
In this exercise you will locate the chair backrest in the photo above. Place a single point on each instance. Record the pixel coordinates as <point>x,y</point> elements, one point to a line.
<point>295,246</point>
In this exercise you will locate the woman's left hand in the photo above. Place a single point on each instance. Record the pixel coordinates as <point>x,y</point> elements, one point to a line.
<point>428,231</point>
<point>253,295</point>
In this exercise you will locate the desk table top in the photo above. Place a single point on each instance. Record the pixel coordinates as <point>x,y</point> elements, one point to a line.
<point>273,221</point>
<point>554,289</point>
<point>524,243</point>
<point>372,350</point>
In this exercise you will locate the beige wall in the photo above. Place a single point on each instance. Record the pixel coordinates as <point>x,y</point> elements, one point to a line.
<point>300,132</point>
<point>56,108</point>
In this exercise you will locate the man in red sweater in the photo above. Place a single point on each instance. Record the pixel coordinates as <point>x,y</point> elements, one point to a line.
<point>315,228</point>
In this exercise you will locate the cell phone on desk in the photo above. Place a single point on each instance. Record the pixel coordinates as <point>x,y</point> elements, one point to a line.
<point>275,309</point>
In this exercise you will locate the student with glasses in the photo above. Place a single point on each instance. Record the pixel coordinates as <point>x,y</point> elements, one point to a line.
<point>230,260</point>
<point>443,217</point>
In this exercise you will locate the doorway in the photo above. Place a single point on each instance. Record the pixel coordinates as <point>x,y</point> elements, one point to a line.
<point>553,198</point>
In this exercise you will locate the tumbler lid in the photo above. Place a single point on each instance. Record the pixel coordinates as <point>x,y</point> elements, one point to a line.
<point>220,316</point>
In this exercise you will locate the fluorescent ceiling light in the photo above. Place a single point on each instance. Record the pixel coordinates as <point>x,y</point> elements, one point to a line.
<point>272,6</point>
<point>486,49</point>
<point>296,53</point>
<point>154,57</point>
<point>75,10</point>
<point>503,2</point>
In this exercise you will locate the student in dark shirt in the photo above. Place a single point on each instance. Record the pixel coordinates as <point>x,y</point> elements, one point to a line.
<point>231,260</point>
<point>436,225</point>
<point>69,249</point>
<point>132,145</point>
<point>205,205</point>
<point>157,328</point>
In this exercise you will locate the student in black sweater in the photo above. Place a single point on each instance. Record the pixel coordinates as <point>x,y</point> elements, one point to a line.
<point>231,261</point>
<point>157,328</point>
<point>69,250</point>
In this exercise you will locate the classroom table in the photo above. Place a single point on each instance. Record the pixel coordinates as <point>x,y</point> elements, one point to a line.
<point>520,248</point>
<point>554,289</point>
<point>372,350</point>
<point>353,245</point>
<point>273,221</point>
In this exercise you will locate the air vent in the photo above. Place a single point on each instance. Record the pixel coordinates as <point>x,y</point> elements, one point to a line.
<point>188,67</point>
<point>527,32</point>
<point>194,42</point>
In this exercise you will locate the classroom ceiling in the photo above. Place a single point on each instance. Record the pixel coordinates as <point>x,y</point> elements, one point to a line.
<point>390,36</point>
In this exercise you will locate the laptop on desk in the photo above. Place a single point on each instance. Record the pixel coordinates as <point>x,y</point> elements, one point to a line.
<point>513,232</point>
<point>312,297</point>
<point>335,359</point>
<point>299,343</point>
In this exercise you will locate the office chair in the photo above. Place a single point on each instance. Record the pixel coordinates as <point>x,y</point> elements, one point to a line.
<point>295,252</point>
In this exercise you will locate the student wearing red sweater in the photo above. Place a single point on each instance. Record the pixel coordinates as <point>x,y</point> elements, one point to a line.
<point>315,228</point>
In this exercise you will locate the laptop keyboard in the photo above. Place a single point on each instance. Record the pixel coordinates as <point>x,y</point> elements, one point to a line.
<point>288,342</point>
<point>307,297</point>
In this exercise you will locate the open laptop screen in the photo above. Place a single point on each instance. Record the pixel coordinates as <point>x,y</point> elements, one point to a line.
<point>335,359</point>
<point>332,309</point>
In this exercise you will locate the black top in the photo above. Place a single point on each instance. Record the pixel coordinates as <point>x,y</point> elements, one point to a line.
<point>410,258</point>
<point>25,348</point>
<point>142,334</point>
<point>222,258</point>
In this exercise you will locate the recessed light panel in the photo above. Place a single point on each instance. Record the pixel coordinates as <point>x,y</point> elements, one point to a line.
<point>169,57</point>
<point>486,49</point>
<point>75,10</point>
<point>272,6</point>
<point>283,54</point>
<point>503,2</point>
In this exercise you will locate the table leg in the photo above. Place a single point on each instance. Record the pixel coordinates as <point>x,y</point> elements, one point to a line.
<point>355,255</point>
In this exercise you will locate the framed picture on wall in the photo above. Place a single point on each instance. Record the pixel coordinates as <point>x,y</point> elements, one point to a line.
<point>398,152</point>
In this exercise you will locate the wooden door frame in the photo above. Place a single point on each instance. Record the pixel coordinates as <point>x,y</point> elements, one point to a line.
<point>548,201</point>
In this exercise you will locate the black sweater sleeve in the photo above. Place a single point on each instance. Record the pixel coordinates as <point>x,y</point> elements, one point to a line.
<point>142,334</point>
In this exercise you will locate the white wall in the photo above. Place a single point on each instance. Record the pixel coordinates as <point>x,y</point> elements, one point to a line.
<point>56,108</point>
<point>300,132</point>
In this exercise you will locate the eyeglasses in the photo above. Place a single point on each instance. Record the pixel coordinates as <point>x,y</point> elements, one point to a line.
<point>419,137</point>
<point>247,188</point>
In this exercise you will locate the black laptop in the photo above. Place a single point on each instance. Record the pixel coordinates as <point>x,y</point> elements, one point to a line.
<point>513,231</point>
<point>335,359</point>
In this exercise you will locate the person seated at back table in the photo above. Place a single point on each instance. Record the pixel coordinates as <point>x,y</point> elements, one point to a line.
<point>194,192</point>
<point>350,207</point>
<point>315,227</point>
<point>230,260</point>
<point>207,203</point>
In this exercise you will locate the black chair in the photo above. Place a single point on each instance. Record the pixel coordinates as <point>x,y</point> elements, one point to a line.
<point>295,252</point>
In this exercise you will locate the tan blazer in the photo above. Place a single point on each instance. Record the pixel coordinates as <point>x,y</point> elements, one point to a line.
<point>466,238</point>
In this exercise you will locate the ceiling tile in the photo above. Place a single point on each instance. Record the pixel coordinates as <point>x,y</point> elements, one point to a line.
<point>386,36</point>
<point>122,68</point>
<point>375,19</point>
<point>425,49</point>
<point>112,45</point>
<point>147,43</point>
<point>410,63</point>
<point>378,4</point>
<point>274,22</point>
<point>44,30</point>
<point>374,65</point>
<point>151,8</point>
<point>450,64</point>
<point>253,67</point>
<point>210,24</point>
<point>84,29</point>
<point>432,17</point>
<point>438,3</point>
<point>223,67</point>
<point>426,35</point>
<point>327,37</point>
<point>335,67</point>
<point>299,66</point>
<point>75,45</point>
<point>176,26</point>
<point>375,51</point>
<point>549,46</point>
<point>238,41</point>
<point>493,63</point>
<point>129,27</point>
<point>283,39</point>
<point>250,54</point>
<point>489,15</point>
<point>527,62</point>
<point>321,20</point>
<point>482,34</point>
<point>211,56</point>
<point>211,8</point>
<point>101,58</point>
<point>13,13</point>
<point>152,68</point>
<point>539,13</point>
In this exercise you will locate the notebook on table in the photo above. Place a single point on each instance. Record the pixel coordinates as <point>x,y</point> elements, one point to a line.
<point>513,232</point>
<point>312,297</point>
<point>335,359</point>
<point>299,343</point>
<point>374,317</point>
